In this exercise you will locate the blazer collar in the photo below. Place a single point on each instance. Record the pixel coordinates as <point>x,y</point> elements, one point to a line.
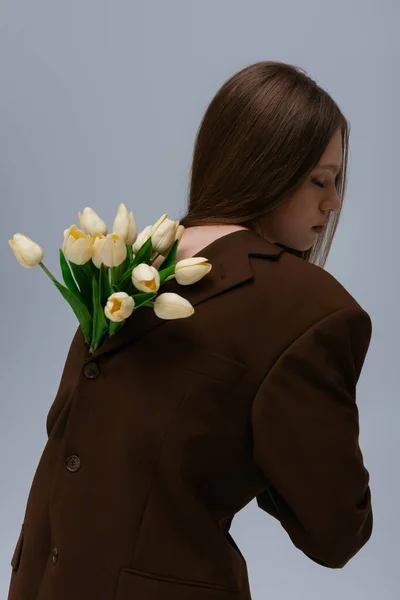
<point>230,259</point>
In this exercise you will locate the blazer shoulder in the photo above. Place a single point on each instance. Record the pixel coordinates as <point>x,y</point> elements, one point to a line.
<point>299,281</point>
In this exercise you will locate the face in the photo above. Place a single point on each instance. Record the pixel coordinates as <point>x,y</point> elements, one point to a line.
<point>292,222</point>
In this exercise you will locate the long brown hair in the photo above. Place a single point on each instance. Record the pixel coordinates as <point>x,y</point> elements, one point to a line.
<point>262,134</point>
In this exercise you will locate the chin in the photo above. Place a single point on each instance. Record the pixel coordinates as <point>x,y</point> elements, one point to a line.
<point>306,247</point>
<point>302,245</point>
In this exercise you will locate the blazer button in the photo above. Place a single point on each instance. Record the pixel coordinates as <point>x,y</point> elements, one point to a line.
<point>55,555</point>
<point>91,370</point>
<point>73,463</point>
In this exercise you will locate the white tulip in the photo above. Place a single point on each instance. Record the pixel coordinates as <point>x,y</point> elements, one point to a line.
<point>172,306</point>
<point>27,252</point>
<point>98,239</point>
<point>163,234</point>
<point>91,223</point>
<point>190,270</point>
<point>157,223</point>
<point>132,230</point>
<point>179,232</point>
<point>146,278</point>
<point>141,239</point>
<point>125,225</point>
<point>77,247</point>
<point>119,307</point>
<point>113,250</point>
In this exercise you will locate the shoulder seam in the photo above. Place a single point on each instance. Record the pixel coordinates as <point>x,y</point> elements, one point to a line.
<point>355,307</point>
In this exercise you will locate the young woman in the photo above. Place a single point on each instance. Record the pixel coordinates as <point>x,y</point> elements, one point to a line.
<point>170,428</point>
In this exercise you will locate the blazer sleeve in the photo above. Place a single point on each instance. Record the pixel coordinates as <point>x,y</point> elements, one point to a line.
<point>305,433</point>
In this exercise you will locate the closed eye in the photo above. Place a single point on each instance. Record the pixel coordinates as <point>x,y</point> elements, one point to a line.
<point>318,183</point>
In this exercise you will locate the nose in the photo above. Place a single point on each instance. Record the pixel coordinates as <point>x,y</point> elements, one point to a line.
<point>334,203</point>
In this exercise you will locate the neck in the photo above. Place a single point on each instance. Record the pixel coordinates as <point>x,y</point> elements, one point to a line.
<point>197,237</point>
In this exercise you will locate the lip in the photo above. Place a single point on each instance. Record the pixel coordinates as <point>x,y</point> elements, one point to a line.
<point>319,227</point>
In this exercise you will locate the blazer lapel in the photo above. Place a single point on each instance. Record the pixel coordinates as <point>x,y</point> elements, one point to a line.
<point>229,256</point>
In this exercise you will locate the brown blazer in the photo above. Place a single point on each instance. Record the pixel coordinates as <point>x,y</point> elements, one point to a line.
<point>157,440</point>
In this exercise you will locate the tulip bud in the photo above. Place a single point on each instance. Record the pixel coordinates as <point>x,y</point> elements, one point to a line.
<point>190,270</point>
<point>179,232</point>
<point>119,307</point>
<point>27,252</point>
<point>146,278</point>
<point>91,223</point>
<point>163,234</point>
<point>141,239</point>
<point>125,225</point>
<point>98,239</point>
<point>77,247</point>
<point>113,250</point>
<point>172,306</point>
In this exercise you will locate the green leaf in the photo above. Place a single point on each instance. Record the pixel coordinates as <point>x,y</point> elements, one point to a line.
<point>91,270</point>
<point>170,259</point>
<point>130,258</point>
<point>142,298</point>
<point>130,289</point>
<point>114,327</point>
<point>164,273</point>
<point>67,275</point>
<point>144,254</point>
<point>83,315</point>
<point>105,287</point>
<point>123,267</point>
<point>100,325</point>
<point>124,281</point>
<point>83,275</point>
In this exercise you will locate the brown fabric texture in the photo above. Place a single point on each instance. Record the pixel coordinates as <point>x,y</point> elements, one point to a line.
<point>170,428</point>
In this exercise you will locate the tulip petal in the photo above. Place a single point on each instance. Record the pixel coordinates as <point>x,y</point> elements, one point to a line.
<point>26,251</point>
<point>172,306</point>
<point>113,251</point>
<point>132,230</point>
<point>191,270</point>
<point>119,306</point>
<point>121,223</point>
<point>91,222</point>
<point>146,278</point>
<point>18,255</point>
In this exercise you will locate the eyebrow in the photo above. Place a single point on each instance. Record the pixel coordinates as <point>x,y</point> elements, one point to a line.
<point>331,166</point>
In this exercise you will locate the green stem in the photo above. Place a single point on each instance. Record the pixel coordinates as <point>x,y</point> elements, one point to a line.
<point>153,258</point>
<point>148,303</point>
<point>93,348</point>
<point>45,269</point>
<point>116,271</point>
<point>110,275</point>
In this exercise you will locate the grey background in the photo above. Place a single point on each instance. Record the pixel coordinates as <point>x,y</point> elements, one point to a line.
<point>99,104</point>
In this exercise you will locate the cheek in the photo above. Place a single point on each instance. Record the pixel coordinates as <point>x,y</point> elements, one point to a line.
<point>294,212</point>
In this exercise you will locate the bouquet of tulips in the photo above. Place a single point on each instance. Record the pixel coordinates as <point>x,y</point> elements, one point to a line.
<point>109,275</point>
